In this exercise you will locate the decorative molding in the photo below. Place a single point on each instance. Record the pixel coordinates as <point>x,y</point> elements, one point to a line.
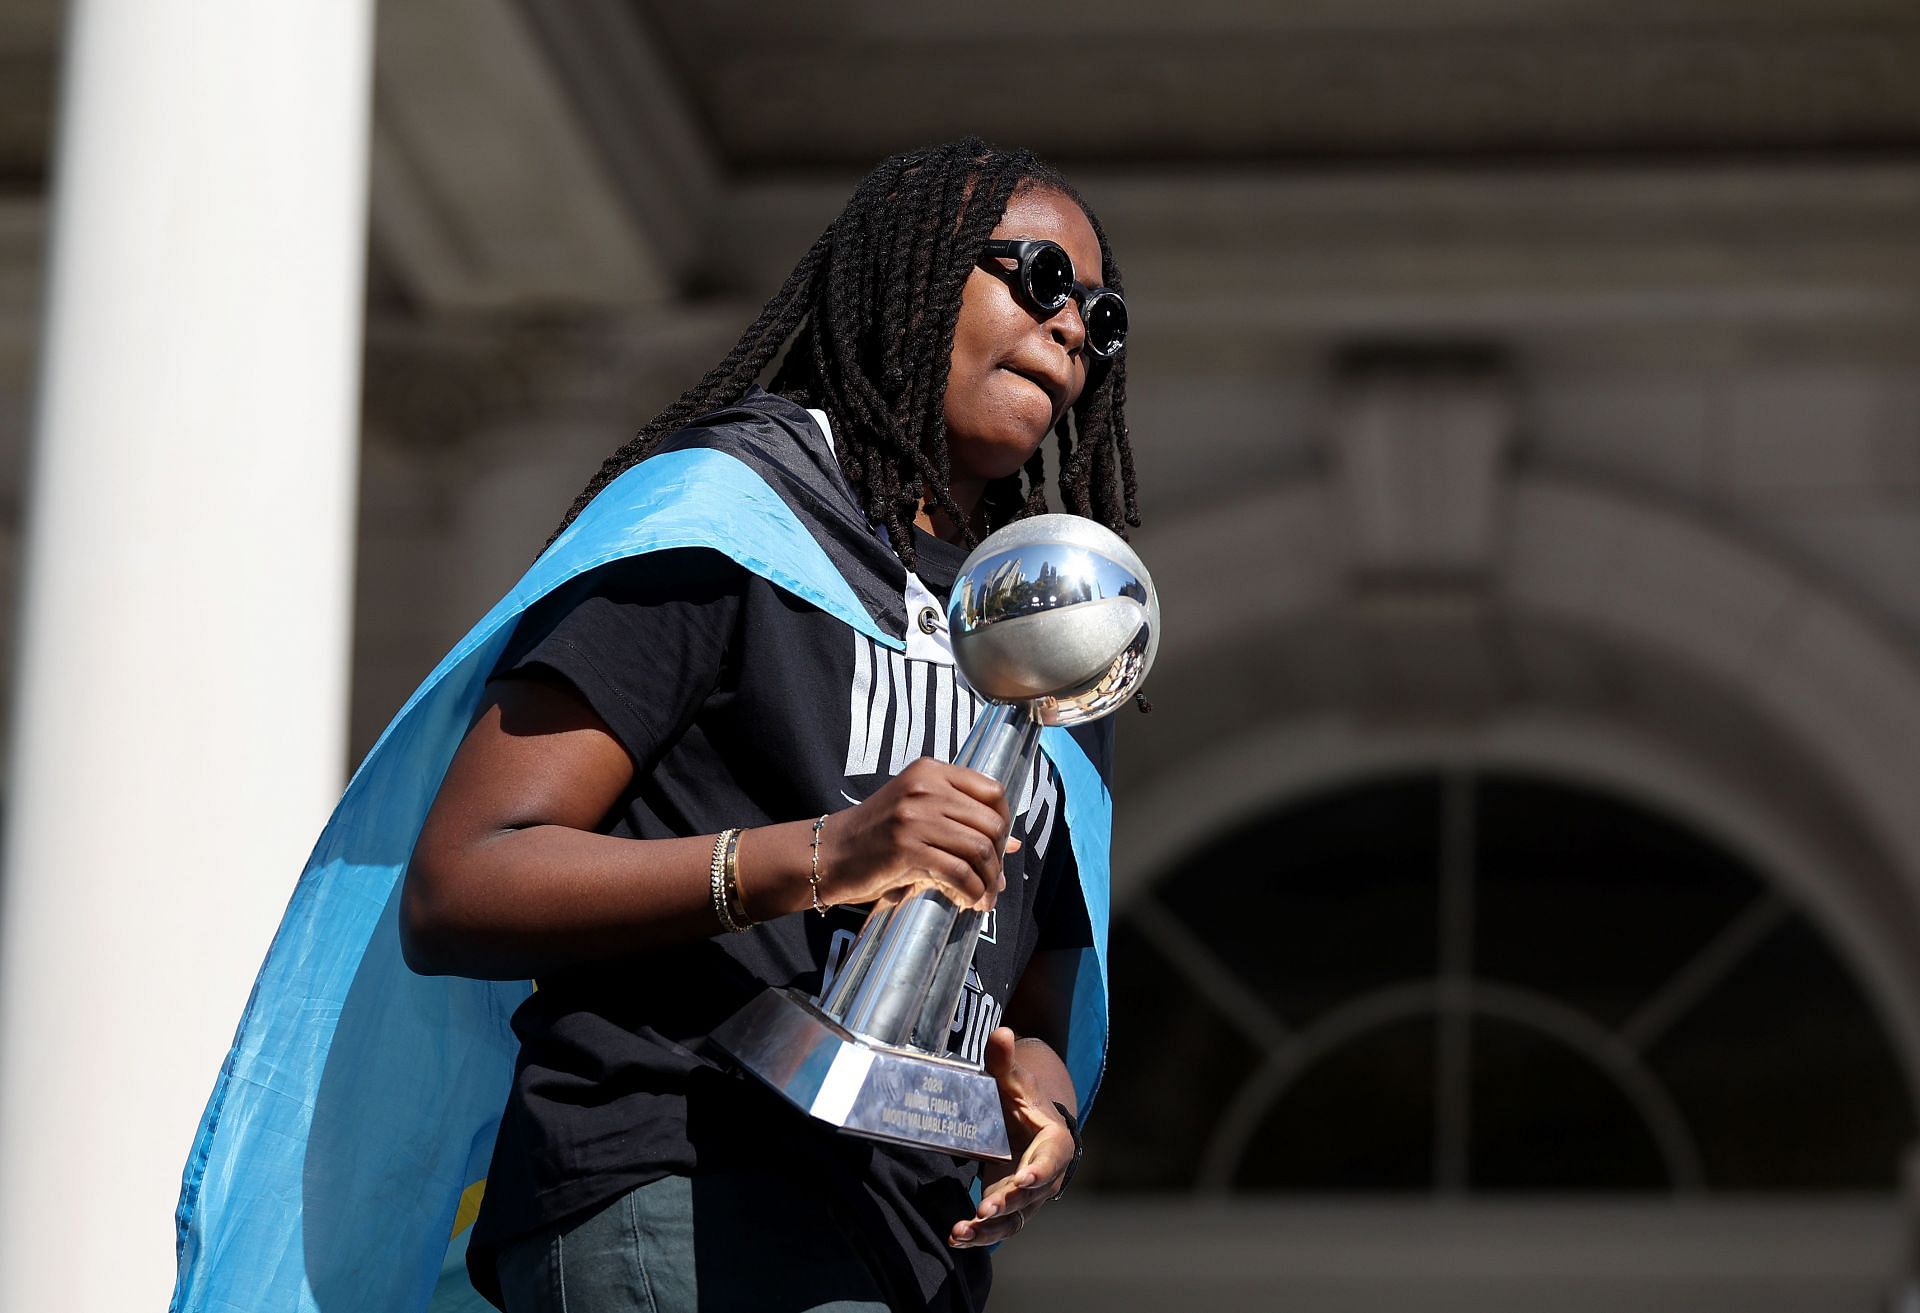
<point>1421,433</point>
<point>1757,1255</point>
<point>1479,85</point>
<point>1225,266</point>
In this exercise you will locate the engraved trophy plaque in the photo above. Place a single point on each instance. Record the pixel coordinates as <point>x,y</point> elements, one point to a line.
<point>1054,621</point>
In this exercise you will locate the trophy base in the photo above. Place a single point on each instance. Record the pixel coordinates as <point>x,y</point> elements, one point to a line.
<point>868,1089</point>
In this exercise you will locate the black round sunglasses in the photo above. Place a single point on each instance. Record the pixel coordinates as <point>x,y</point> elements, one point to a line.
<point>1044,279</point>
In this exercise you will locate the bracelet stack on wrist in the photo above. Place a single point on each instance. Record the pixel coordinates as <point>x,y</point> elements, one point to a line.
<point>723,876</point>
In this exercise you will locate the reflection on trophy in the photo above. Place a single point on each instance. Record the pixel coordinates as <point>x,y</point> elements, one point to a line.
<point>1055,621</point>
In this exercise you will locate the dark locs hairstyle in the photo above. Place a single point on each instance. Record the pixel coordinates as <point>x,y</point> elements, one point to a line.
<point>871,309</point>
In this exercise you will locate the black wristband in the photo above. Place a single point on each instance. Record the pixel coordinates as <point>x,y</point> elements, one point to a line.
<point>1073,1129</point>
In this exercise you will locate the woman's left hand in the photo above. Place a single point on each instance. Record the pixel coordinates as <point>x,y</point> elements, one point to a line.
<point>1043,1151</point>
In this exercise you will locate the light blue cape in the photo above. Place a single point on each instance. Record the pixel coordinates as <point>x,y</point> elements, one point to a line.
<point>342,1154</point>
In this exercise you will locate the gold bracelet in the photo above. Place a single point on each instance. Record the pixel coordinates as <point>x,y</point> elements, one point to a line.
<point>736,902</point>
<point>813,876</point>
<point>718,872</point>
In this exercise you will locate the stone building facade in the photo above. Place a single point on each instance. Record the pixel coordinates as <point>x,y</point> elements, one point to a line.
<point>1518,881</point>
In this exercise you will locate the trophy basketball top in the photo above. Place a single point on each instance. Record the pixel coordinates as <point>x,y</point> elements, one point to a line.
<point>1057,612</point>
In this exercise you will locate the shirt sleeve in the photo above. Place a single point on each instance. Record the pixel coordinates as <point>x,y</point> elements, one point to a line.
<point>643,641</point>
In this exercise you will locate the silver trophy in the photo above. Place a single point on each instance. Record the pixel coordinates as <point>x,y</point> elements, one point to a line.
<point>1054,620</point>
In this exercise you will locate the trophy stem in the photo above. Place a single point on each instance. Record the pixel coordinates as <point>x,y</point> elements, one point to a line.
<point>903,977</point>
<point>1002,744</point>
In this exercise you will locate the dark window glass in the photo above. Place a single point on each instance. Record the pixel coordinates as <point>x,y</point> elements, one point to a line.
<point>1584,910</point>
<point>1784,1076</point>
<point>1543,1117</point>
<point>1173,1062</point>
<point>1359,1119</point>
<point>1330,899</point>
<point>1590,900</point>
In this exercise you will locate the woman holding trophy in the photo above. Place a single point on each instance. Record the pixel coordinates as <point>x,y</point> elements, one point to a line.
<point>719,723</point>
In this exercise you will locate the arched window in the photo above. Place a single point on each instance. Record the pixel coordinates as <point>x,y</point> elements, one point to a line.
<point>1485,982</point>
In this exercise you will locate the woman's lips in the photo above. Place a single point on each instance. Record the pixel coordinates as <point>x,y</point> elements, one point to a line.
<point>1049,387</point>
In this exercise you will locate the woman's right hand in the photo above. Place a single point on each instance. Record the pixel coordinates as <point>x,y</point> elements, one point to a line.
<point>933,820</point>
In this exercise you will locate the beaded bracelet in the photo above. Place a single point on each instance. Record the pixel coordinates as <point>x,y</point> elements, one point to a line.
<point>813,876</point>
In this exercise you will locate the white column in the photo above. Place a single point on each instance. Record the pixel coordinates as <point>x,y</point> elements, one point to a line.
<point>180,710</point>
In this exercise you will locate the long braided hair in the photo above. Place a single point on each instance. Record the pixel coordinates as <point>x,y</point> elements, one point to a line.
<point>871,309</point>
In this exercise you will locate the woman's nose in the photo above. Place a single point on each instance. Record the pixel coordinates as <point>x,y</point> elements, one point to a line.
<point>1067,326</point>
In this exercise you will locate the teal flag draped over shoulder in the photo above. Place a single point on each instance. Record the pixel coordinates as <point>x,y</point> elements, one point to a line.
<point>340,1160</point>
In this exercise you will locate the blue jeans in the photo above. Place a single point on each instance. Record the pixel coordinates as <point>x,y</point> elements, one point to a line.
<point>734,1241</point>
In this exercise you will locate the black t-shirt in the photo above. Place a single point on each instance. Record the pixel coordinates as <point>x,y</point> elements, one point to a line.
<point>742,705</point>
